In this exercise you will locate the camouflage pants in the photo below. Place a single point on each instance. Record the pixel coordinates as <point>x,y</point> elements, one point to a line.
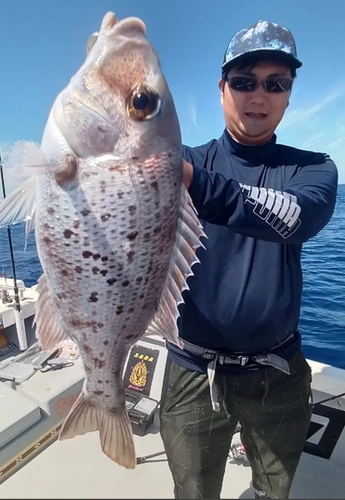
<point>274,410</point>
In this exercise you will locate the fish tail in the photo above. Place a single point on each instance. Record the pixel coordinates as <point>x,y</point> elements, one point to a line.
<point>115,430</point>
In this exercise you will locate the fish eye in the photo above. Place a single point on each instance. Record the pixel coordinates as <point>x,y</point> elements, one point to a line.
<point>143,104</point>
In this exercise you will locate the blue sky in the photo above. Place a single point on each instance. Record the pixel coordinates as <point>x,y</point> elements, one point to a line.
<point>43,44</point>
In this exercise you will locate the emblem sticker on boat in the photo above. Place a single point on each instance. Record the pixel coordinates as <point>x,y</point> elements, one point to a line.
<point>140,369</point>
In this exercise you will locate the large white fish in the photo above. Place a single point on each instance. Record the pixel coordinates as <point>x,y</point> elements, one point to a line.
<point>115,229</point>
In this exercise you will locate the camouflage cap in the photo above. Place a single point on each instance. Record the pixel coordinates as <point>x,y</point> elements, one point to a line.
<point>262,37</point>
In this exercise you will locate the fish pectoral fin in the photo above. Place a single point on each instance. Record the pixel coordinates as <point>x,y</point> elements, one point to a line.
<point>28,160</point>
<point>115,430</point>
<point>20,205</point>
<point>49,331</point>
<point>188,240</point>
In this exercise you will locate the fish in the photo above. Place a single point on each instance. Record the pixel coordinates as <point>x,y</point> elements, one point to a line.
<point>116,231</point>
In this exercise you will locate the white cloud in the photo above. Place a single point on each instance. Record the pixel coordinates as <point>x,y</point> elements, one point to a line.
<point>192,108</point>
<point>300,117</point>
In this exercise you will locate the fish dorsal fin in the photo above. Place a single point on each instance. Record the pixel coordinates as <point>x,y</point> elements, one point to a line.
<point>49,331</point>
<point>189,232</point>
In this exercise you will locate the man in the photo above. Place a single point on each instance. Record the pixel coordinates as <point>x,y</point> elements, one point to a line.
<point>258,202</point>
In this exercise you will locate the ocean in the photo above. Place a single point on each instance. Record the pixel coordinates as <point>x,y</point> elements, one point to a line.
<point>322,323</point>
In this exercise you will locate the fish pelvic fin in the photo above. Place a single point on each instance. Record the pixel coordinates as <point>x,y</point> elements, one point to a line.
<point>188,240</point>
<point>115,430</point>
<point>49,331</point>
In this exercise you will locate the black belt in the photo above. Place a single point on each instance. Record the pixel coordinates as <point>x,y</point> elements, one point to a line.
<point>265,358</point>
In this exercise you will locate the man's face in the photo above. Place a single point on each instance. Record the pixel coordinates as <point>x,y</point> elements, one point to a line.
<point>252,117</point>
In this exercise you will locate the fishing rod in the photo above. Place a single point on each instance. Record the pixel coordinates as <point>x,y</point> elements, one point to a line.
<point>18,310</point>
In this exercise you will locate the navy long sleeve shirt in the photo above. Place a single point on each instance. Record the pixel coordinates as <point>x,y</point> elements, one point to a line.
<point>258,205</point>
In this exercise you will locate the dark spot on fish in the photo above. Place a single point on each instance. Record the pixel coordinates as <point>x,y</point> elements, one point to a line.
<point>100,325</point>
<point>139,280</point>
<point>119,310</point>
<point>75,241</point>
<point>154,184</point>
<point>141,296</point>
<point>100,381</point>
<point>76,224</point>
<point>132,209</point>
<point>96,256</point>
<point>85,211</point>
<point>146,236</point>
<point>175,184</point>
<point>129,336</point>
<point>64,272</point>
<point>107,396</point>
<point>105,217</point>
<point>157,229</point>
<point>47,240</point>
<point>125,283</point>
<point>101,354</point>
<point>131,310</point>
<point>51,210</point>
<point>144,306</point>
<point>130,255</point>
<point>111,281</point>
<point>101,129</point>
<point>122,233</point>
<point>107,381</point>
<point>95,270</point>
<point>104,259</point>
<point>104,272</point>
<point>169,155</point>
<point>120,194</point>
<point>78,269</point>
<point>86,348</point>
<point>105,342</point>
<point>99,363</point>
<point>67,233</point>
<point>132,236</point>
<point>87,254</point>
<point>140,171</point>
<point>98,393</point>
<point>135,157</point>
<point>93,297</point>
<point>112,267</point>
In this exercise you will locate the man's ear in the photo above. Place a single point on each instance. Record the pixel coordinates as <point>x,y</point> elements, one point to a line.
<point>221,85</point>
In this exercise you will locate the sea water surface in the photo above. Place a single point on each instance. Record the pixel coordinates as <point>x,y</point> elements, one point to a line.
<point>322,321</point>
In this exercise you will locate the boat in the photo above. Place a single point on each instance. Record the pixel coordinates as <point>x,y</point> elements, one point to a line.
<point>38,388</point>
<point>35,464</point>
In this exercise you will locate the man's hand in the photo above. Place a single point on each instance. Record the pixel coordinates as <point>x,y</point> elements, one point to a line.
<point>187,174</point>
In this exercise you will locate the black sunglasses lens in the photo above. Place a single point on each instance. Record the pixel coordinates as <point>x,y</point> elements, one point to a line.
<point>243,83</point>
<point>278,84</point>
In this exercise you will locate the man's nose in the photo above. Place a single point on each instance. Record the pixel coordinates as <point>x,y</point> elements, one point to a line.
<point>258,95</point>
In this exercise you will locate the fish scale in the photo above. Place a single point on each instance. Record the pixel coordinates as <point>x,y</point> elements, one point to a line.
<point>116,231</point>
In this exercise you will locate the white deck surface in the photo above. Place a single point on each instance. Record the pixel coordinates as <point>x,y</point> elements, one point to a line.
<point>77,468</point>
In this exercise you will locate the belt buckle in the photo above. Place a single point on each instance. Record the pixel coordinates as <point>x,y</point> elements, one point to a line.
<point>243,360</point>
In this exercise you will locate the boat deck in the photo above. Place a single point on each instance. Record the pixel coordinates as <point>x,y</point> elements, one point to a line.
<point>77,468</point>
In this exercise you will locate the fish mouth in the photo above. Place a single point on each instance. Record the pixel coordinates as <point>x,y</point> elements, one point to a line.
<point>111,25</point>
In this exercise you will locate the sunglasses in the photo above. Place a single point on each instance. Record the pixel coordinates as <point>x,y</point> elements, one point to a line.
<point>273,84</point>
